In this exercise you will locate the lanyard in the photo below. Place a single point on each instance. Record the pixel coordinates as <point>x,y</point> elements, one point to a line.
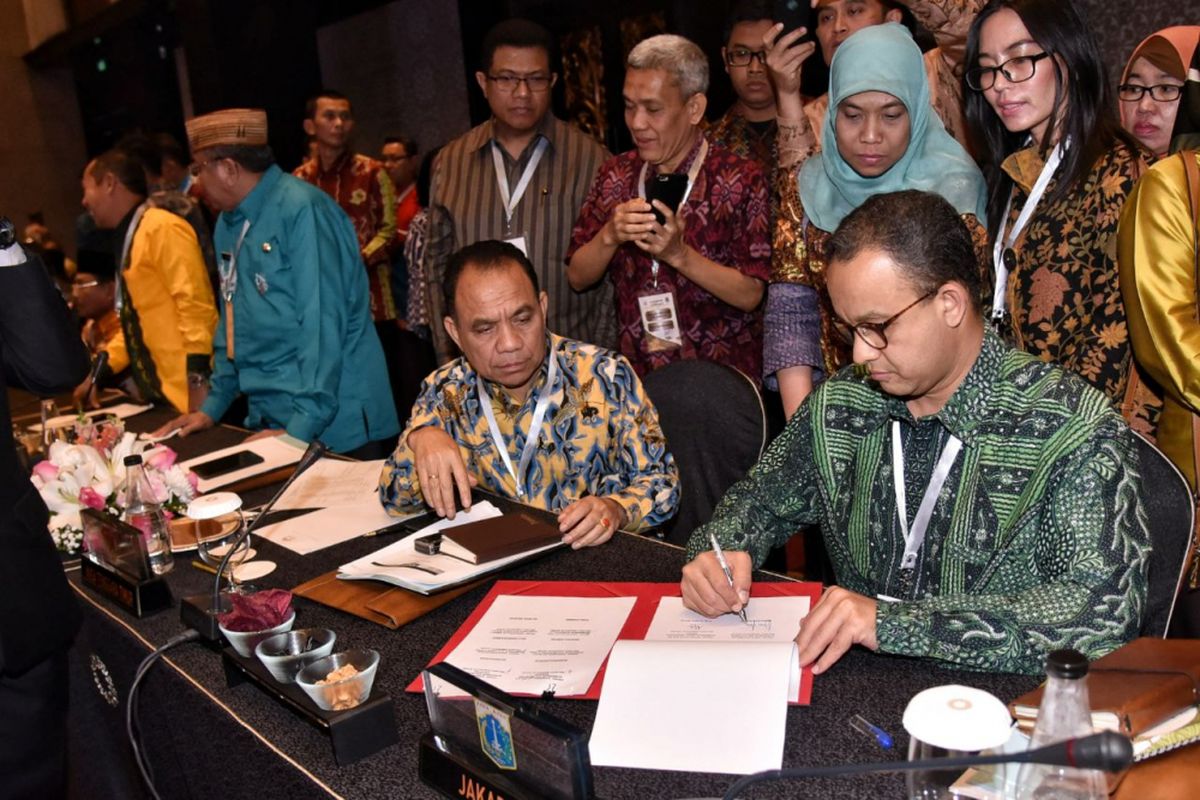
<point>511,201</point>
<point>692,174</point>
<point>228,266</point>
<point>126,246</point>
<point>1005,240</point>
<point>915,537</point>
<point>535,424</point>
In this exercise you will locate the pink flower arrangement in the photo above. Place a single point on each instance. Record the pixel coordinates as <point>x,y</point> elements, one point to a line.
<point>87,470</point>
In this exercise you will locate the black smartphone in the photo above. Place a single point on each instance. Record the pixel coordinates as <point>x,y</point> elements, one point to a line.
<point>667,189</point>
<point>794,14</point>
<point>225,464</point>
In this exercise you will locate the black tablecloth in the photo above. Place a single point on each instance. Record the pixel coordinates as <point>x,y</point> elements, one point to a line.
<point>205,739</point>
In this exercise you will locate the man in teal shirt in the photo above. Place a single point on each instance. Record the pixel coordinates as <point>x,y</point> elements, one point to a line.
<point>1017,525</point>
<point>295,334</point>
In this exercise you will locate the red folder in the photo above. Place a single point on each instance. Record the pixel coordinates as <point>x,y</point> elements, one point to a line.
<point>636,625</point>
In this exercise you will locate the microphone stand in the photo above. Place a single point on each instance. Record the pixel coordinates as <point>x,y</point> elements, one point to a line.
<point>200,615</point>
<point>1107,751</point>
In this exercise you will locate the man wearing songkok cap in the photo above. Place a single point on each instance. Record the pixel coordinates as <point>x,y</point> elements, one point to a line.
<point>295,335</point>
<point>163,297</point>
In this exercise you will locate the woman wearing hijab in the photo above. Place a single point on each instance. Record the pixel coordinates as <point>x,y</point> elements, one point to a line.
<point>1058,167</point>
<point>1159,280</point>
<point>886,138</point>
<point>1152,83</point>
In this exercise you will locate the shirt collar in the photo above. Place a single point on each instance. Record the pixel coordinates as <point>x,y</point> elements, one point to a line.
<point>969,404</point>
<point>688,160</point>
<point>338,164</point>
<point>1024,166</point>
<point>252,204</point>
<point>546,129</point>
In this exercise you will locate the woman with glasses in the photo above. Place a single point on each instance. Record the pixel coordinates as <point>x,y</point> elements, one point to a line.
<point>1058,168</point>
<point>1151,84</point>
<point>881,135</point>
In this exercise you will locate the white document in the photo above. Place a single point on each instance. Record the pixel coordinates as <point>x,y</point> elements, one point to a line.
<point>326,527</point>
<point>769,619</point>
<point>532,645</point>
<point>705,706</point>
<point>399,563</point>
<point>121,411</point>
<point>333,482</point>
<point>276,452</point>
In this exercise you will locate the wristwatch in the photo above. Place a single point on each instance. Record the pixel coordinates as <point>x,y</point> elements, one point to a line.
<point>8,233</point>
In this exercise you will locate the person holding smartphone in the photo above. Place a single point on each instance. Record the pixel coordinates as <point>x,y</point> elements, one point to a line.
<point>689,283</point>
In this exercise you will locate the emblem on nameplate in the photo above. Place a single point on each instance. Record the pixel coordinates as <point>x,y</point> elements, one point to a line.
<point>266,247</point>
<point>495,735</point>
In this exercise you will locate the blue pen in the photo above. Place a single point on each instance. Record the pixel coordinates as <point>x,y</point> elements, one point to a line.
<point>878,734</point>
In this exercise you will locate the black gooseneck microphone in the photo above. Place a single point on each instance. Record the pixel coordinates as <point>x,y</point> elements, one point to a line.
<point>1106,751</point>
<point>313,454</point>
<point>199,612</point>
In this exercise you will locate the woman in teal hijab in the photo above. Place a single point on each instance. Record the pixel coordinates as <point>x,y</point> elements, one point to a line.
<point>881,135</point>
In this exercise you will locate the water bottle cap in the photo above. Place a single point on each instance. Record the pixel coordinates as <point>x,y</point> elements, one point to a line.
<point>133,460</point>
<point>1069,664</point>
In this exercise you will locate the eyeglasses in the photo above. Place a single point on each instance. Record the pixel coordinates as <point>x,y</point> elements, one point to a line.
<point>875,333</point>
<point>509,83</point>
<point>84,285</point>
<point>393,159</point>
<point>1016,70</point>
<point>1162,93</point>
<point>196,167</point>
<point>741,57</point>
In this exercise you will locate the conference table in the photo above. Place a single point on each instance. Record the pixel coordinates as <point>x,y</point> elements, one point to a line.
<point>206,739</point>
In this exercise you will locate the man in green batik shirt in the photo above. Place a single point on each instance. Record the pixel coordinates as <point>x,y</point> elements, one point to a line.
<point>1034,535</point>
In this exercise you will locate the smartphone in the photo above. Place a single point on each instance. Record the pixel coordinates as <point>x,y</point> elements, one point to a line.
<point>226,464</point>
<point>667,189</point>
<point>794,14</point>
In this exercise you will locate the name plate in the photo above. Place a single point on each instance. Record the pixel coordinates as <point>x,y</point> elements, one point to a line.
<point>488,745</point>
<point>140,598</point>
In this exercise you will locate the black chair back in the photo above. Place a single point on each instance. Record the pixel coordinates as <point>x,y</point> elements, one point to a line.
<point>1170,513</point>
<point>713,418</point>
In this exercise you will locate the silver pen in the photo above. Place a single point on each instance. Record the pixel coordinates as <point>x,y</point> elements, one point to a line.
<point>720,554</point>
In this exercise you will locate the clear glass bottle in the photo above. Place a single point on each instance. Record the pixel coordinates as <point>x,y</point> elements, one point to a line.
<point>143,511</point>
<point>1065,713</point>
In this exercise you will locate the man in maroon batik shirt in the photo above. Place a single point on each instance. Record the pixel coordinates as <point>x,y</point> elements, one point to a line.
<point>689,287</point>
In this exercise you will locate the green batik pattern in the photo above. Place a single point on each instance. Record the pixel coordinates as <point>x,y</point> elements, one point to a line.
<point>141,364</point>
<point>1037,541</point>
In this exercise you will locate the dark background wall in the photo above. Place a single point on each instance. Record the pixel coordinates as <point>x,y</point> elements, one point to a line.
<point>408,64</point>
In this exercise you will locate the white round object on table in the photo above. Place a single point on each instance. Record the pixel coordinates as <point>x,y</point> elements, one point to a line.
<point>957,717</point>
<point>216,504</point>
<point>253,570</point>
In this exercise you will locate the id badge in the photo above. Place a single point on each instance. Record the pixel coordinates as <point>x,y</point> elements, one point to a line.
<point>519,243</point>
<point>660,321</point>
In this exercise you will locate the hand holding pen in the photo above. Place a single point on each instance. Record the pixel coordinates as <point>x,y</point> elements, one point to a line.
<point>720,554</point>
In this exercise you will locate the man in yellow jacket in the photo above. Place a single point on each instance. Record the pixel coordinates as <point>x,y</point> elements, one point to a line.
<point>163,295</point>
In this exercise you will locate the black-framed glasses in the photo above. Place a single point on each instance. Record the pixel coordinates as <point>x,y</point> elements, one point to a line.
<point>741,57</point>
<point>196,167</point>
<point>875,333</point>
<point>1162,93</point>
<point>509,83</point>
<point>1016,70</point>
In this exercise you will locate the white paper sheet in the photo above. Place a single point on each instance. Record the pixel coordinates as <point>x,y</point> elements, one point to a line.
<point>121,411</point>
<point>332,482</point>
<point>449,570</point>
<point>693,706</point>
<point>326,527</point>
<point>532,645</point>
<point>276,452</point>
<point>768,619</point>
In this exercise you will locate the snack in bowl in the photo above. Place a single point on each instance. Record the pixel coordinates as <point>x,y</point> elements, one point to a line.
<point>340,681</point>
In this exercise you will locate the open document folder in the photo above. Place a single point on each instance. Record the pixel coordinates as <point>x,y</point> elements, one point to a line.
<point>425,573</point>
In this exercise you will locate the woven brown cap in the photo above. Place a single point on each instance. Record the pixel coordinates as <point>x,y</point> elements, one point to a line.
<point>232,126</point>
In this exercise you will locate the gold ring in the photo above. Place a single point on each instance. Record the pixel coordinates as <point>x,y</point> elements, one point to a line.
<point>604,522</point>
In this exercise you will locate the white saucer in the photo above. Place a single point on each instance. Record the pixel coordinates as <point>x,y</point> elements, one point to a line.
<point>253,570</point>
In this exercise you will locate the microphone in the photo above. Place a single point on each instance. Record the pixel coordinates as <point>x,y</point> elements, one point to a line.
<point>1106,751</point>
<point>204,620</point>
<point>97,367</point>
